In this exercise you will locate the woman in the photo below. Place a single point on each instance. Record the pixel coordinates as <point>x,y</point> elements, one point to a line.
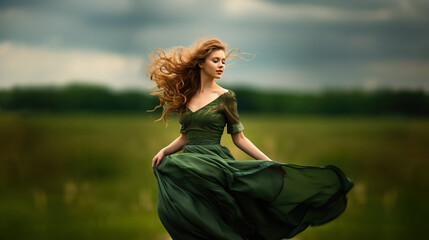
<point>204,193</point>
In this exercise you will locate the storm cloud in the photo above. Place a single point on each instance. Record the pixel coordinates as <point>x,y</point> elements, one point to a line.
<point>299,45</point>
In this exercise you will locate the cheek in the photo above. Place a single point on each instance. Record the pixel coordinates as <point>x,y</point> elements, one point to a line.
<point>210,65</point>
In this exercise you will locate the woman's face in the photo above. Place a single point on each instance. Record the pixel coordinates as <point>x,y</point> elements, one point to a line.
<point>214,65</point>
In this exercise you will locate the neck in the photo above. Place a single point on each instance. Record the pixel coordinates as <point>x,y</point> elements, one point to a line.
<point>206,82</point>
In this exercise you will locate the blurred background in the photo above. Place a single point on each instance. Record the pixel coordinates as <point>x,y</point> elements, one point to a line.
<point>333,82</point>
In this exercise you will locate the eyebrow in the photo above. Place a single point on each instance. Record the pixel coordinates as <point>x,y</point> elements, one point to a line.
<point>219,58</point>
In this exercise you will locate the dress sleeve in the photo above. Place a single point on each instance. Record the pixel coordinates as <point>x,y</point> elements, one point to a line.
<point>182,125</point>
<point>229,107</point>
<point>182,128</point>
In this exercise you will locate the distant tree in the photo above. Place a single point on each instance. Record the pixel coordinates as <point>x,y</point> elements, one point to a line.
<point>93,98</point>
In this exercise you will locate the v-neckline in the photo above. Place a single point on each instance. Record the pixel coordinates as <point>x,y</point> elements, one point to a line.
<point>207,103</point>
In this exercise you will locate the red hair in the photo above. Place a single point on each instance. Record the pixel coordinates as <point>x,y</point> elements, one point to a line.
<point>177,74</point>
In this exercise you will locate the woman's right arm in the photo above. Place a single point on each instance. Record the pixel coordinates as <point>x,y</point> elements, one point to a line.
<point>173,147</point>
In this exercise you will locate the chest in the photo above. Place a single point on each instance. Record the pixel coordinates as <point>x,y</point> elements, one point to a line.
<point>209,116</point>
<point>200,101</point>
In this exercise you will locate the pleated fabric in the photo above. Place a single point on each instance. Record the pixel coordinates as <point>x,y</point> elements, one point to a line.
<point>204,193</point>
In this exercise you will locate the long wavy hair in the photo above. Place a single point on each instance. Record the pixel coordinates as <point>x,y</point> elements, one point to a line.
<point>177,73</point>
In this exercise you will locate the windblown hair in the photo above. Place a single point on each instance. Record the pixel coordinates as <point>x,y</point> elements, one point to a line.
<point>177,73</point>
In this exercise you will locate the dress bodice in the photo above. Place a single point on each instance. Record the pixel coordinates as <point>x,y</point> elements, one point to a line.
<point>208,122</point>
<point>204,193</point>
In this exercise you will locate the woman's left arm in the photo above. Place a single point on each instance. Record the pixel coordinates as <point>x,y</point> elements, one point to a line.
<point>248,147</point>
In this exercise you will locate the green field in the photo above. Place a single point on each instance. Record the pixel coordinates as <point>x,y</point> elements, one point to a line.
<point>83,176</point>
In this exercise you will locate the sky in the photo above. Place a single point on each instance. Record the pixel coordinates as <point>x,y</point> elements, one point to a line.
<point>300,45</point>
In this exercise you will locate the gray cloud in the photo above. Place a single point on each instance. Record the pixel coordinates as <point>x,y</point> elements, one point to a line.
<point>300,39</point>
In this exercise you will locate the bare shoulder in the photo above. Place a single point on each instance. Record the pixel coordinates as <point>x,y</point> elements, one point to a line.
<point>223,91</point>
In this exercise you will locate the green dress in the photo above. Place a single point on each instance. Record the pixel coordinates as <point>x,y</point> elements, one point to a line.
<point>204,193</point>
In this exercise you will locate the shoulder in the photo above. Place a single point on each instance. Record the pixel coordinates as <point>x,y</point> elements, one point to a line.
<point>222,90</point>
<point>228,96</point>
<point>229,93</point>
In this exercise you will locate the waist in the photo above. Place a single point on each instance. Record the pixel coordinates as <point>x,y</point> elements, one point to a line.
<point>202,142</point>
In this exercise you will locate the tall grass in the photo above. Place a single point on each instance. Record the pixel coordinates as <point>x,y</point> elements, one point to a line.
<point>83,176</point>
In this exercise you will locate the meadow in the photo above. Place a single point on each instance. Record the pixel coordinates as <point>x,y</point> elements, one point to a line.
<point>89,176</point>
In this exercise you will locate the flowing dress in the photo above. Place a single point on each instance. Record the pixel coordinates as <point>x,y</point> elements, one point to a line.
<point>204,193</point>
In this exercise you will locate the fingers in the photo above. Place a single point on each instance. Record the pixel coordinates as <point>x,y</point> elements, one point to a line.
<point>156,160</point>
<point>159,160</point>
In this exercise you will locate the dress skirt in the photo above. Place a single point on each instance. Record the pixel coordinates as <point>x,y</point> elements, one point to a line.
<point>204,193</point>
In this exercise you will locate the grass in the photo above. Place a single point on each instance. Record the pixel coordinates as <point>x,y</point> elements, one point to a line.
<point>88,176</point>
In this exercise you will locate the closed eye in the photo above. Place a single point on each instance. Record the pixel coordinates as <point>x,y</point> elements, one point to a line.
<point>215,61</point>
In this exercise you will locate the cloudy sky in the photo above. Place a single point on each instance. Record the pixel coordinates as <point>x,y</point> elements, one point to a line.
<point>298,45</point>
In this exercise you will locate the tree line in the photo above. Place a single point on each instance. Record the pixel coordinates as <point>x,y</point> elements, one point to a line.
<point>91,98</point>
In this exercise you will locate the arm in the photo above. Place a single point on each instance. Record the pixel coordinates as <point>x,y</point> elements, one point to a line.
<point>235,128</point>
<point>173,147</point>
<point>247,146</point>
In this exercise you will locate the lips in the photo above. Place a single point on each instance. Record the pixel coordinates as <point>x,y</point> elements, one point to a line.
<point>219,71</point>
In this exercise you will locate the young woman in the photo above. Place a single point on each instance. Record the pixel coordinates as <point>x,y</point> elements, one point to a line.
<point>204,193</point>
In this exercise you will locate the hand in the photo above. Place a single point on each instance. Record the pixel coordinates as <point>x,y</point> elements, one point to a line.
<point>157,159</point>
<point>280,167</point>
